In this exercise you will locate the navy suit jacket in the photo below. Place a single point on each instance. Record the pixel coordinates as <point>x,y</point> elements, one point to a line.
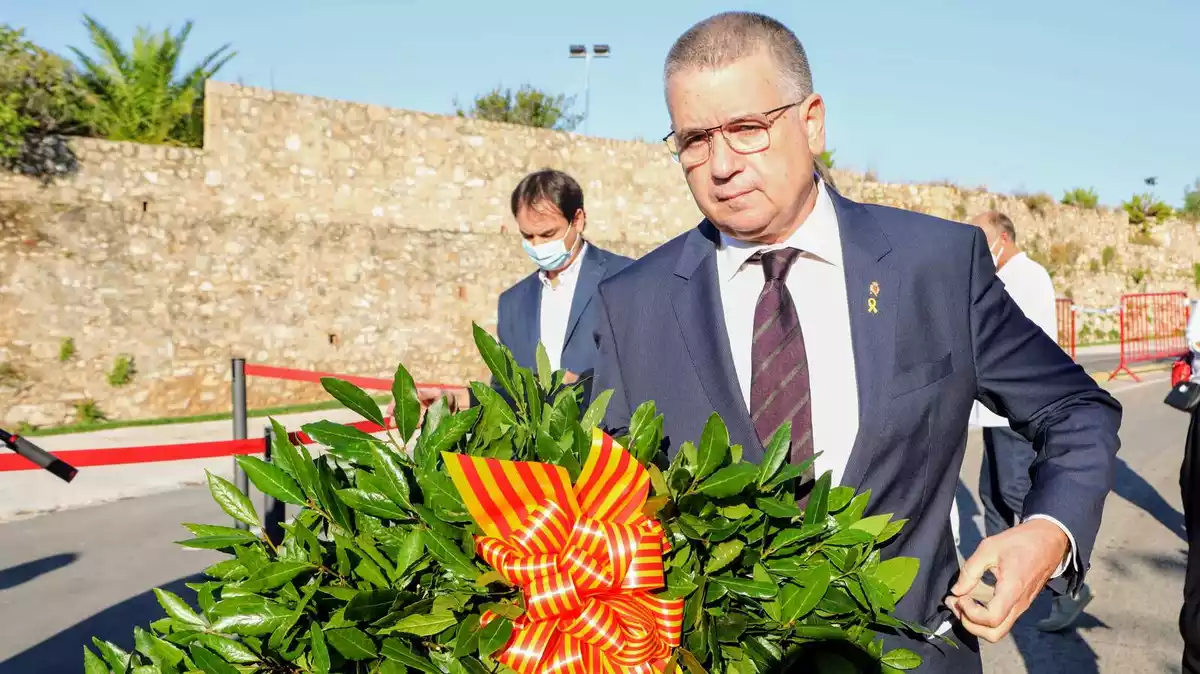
<point>519,313</point>
<point>946,333</point>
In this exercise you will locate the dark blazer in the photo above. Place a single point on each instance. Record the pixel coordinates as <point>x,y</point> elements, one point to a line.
<point>946,333</point>
<point>519,313</point>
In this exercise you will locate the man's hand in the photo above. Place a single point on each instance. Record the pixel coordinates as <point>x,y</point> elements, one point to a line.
<point>570,377</point>
<point>1023,559</point>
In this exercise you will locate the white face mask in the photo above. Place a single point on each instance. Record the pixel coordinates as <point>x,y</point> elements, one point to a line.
<point>996,254</point>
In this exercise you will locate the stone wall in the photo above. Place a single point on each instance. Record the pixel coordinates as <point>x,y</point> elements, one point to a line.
<point>328,235</point>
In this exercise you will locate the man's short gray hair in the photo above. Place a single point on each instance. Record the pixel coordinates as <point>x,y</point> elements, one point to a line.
<point>727,37</point>
<point>1000,223</point>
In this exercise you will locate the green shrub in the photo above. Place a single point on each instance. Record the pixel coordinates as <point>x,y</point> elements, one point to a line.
<point>1107,256</point>
<point>1190,210</point>
<point>66,349</point>
<point>122,371</point>
<point>89,412</point>
<point>1036,203</point>
<point>1082,198</point>
<point>1145,210</point>
<point>378,573</point>
<point>40,98</point>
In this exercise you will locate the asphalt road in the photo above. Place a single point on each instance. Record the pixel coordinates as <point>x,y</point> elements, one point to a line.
<point>71,575</point>
<point>1098,362</point>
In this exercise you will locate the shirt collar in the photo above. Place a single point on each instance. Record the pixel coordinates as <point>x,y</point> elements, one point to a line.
<point>567,275</point>
<point>817,236</point>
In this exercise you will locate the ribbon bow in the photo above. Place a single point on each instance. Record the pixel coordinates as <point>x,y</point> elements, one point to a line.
<point>584,556</point>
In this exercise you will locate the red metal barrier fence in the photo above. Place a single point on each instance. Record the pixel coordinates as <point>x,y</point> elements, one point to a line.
<point>1066,324</point>
<point>1153,327</point>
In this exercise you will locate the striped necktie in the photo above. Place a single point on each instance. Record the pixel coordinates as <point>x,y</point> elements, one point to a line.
<point>779,385</point>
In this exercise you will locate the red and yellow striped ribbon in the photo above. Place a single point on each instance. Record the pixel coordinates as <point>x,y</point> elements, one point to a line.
<point>584,556</point>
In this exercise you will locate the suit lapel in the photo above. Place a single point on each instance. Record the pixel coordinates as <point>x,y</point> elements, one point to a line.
<point>531,305</point>
<point>696,298</point>
<point>869,276</point>
<point>590,273</point>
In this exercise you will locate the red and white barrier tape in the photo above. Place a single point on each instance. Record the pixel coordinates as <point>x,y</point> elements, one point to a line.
<point>204,450</point>
<point>369,383</point>
<point>114,456</point>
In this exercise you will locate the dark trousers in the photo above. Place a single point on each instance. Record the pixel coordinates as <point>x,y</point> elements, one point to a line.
<point>1004,477</point>
<point>1189,484</point>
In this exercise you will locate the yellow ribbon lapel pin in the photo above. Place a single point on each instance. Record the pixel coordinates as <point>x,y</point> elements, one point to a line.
<point>873,301</point>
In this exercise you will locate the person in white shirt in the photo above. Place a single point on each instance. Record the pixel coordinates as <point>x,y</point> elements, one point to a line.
<point>551,305</point>
<point>1193,338</point>
<point>1007,456</point>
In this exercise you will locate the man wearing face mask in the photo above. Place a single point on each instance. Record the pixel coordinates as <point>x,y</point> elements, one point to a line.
<point>551,305</point>
<point>1007,456</point>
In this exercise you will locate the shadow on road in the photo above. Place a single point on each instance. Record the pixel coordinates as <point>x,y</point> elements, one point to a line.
<point>969,534</point>
<point>23,573</point>
<point>1065,652</point>
<point>1054,653</point>
<point>1135,489</point>
<point>63,652</point>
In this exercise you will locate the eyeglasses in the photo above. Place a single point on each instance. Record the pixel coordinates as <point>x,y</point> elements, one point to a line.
<point>745,135</point>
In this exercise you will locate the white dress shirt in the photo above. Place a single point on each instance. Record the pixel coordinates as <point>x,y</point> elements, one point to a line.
<point>557,295</point>
<point>817,283</point>
<point>1029,284</point>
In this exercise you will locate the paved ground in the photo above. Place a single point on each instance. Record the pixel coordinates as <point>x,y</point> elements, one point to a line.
<point>1137,570</point>
<point>1099,358</point>
<point>69,575</point>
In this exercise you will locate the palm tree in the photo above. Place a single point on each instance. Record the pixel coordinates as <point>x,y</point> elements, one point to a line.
<point>137,95</point>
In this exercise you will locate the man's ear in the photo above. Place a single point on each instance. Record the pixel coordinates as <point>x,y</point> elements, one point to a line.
<point>814,124</point>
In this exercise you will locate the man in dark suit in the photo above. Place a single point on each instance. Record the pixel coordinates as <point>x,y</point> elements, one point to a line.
<point>552,305</point>
<point>1189,485</point>
<point>871,329</point>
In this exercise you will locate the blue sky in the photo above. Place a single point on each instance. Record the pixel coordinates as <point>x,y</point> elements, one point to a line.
<point>1021,95</point>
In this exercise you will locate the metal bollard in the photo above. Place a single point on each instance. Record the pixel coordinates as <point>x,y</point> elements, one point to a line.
<point>240,479</point>
<point>274,510</point>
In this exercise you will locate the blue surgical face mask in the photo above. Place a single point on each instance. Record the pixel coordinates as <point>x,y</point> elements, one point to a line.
<point>550,255</point>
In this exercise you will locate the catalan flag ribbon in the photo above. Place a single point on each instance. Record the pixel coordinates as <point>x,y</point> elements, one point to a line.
<point>584,556</point>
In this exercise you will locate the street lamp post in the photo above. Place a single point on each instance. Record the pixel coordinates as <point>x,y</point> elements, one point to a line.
<point>579,51</point>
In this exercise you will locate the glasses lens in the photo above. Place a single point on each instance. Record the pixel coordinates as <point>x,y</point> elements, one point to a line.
<point>747,136</point>
<point>692,148</point>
